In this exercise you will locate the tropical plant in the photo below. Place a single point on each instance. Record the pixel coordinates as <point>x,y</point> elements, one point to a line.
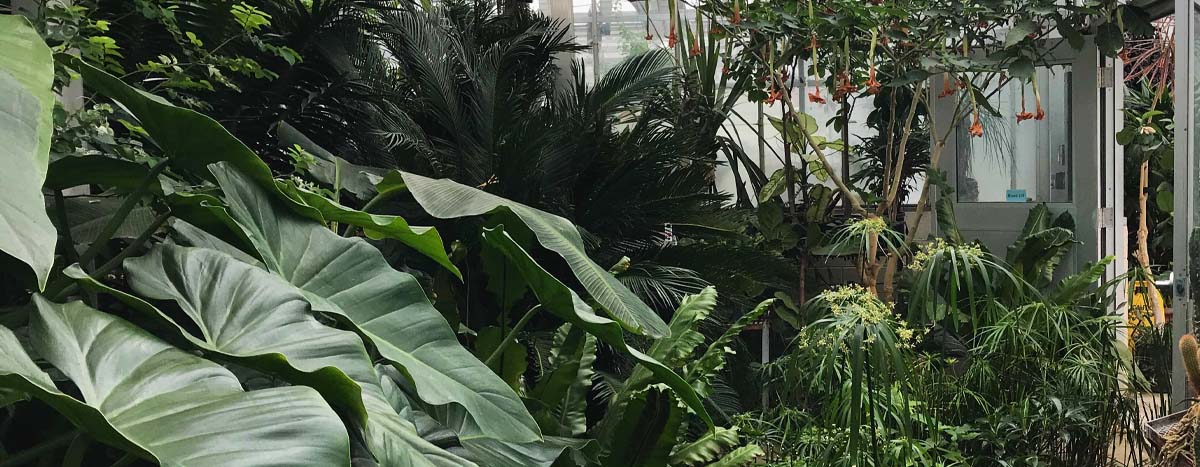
<point>268,295</point>
<point>857,49</point>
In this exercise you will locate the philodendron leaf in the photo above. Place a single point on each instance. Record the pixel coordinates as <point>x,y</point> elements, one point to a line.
<point>560,300</point>
<point>479,448</point>
<point>446,199</point>
<point>193,141</point>
<point>425,240</point>
<point>165,404</point>
<point>87,216</point>
<point>350,278</point>
<point>250,316</point>
<point>26,108</point>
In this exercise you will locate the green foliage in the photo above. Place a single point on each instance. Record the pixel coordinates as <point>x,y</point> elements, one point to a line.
<point>1042,244</point>
<point>147,395</point>
<point>26,72</point>
<point>1149,136</point>
<point>446,199</point>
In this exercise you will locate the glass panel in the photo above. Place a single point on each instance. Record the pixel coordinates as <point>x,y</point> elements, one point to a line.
<point>1193,245</point>
<point>1025,162</point>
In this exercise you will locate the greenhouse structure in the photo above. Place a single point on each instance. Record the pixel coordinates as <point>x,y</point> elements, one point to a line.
<point>600,233</point>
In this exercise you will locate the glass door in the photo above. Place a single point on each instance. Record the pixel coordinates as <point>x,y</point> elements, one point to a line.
<point>1186,283</point>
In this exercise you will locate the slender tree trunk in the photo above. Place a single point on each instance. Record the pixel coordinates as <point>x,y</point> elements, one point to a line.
<point>870,262</point>
<point>1143,247</point>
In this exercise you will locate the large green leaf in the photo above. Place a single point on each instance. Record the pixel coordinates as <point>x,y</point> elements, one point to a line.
<point>745,455</point>
<point>168,405</point>
<point>563,302</point>
<point>424,240</point>
<point>350,278</point>
<point>476,446</point>
<point>253,317</point>
<point>88,215</point>
<point>26,109</point>
<point>193,141</point>
<point>446,199</point>
<point>69,172</point>
<point>705,449</point>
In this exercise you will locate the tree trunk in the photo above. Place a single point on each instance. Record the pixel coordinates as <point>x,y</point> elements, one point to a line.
<point>1143,247</point>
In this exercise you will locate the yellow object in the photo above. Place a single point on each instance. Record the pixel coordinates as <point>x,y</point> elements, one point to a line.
<point>1141,309</point>
<point>1141,304</point>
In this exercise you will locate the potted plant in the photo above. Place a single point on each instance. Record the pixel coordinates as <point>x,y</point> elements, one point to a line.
<point>1175,434</point>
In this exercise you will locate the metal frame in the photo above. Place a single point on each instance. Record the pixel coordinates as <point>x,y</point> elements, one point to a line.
<point>1185,219</point>
<point>1091,139</point>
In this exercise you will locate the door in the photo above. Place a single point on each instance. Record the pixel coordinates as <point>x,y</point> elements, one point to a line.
<point>1069,160</point>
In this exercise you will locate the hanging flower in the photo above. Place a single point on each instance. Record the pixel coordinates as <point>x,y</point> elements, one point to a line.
<point>724,69</point>
<point>946,89</point>
<point>695,48</point>
<point>672,38</point>
<point>976,129</point>
<point>775,96</point>
<point>844,87</point>
<point>737,13</point>
<point>873,85</point>
<point>1023,114</point>
<point>1147,130</point>
<point>815,96</point>
<point>1039,112</point>
<point>1124,55</point>
<point>649,37</point>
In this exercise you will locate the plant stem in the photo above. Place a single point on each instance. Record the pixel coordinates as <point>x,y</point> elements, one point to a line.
<point>511,336</point>
<point>116,260</point>
<point>122,212</point>
<point>378,198</point>
<point>53,445</point>
<point>64,229</point>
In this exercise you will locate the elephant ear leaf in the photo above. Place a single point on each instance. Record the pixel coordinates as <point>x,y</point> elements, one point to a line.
<point>248,315</point>
<point>350,278</point>
<point>446,199</point>
<point>26,109</point>
<point>145,396</point>
<point>194,140</point>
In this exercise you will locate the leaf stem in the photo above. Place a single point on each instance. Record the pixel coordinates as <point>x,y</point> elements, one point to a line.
<point>116,260</point>
<point>64,229</point>
<point>122,212</point>
<point>512,335</point>
<point>378,198</point>
<point>35,452</point>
